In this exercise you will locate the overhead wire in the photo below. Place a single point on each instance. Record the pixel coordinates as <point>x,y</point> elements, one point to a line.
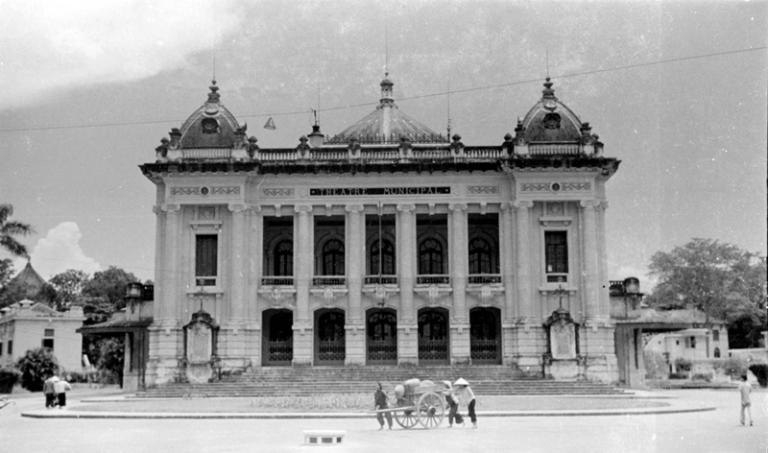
<point>405,98</point>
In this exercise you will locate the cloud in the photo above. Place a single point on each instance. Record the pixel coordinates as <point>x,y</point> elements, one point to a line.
<point>60,250</point>
<point>48,47</point>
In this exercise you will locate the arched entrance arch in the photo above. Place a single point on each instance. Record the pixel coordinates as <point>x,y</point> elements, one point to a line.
<point>277,337</point>
<point>433,336</point>
<point>329,337</point>
<point>381,336</point>
<point>485,335</point>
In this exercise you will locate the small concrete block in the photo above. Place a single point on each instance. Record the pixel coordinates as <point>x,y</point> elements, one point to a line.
<point>323,436</point>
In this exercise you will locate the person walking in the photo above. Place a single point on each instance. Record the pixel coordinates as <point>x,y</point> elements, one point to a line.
<point>453,406</point>
<point>61,387</point>
<point>466,397</point>
<point>745,388</point>
<point>49,392</point>
<point>380,402</point>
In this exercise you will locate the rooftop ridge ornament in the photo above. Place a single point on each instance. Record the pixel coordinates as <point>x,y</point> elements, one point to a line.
<point>214,95</point>
<point>548,95</point>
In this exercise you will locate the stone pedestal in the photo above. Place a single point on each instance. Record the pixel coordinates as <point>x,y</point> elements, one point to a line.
<point>302,346</point>
<point>354,346</point>
<point>460,347</point>
<point>563,370</point>
<point>407,345</point>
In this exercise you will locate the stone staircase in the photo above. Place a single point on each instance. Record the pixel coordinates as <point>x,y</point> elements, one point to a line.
<point>308,381</point>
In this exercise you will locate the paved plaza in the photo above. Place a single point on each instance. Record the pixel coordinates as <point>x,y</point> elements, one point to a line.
<point>713,430</point>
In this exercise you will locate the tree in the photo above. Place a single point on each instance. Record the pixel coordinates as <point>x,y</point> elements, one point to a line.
<point>110,285</point>
<point>717,278</point>
<point>6,271</point>
<point>69,286</point>
<point>110,360</point>
<point>11,228</point>
<point>35,366</point>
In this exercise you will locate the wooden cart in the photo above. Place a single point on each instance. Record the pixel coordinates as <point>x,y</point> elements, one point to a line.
<point>419,404</point>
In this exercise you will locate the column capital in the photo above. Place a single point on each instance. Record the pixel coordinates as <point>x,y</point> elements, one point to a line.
<point>406,207</point>
<point>354,208</point>
<point>303,208</point>
<point>506,206</point>
<point>169,208</point>
<point>237,207</point>
<point>591,203</point>
<point>457,207</point>
<point>522,204</point>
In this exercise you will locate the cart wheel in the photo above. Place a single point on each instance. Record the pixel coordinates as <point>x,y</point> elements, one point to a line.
<point>406,418</point>
<point>431,410</point>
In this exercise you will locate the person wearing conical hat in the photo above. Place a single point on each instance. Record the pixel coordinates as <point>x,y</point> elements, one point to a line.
<point>466,397</point>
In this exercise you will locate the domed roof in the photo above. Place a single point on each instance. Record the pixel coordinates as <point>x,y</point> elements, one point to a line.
<point>387,124</point>
<point>549,120</point>
<point>211,125</point>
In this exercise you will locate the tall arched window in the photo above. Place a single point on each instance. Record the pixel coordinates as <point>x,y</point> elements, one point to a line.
<point>717,353</point>
<point>480,257</point>
<point>333,257</point>
<point>430,257</point>
<point>282,257</point>
<point>387,254</point>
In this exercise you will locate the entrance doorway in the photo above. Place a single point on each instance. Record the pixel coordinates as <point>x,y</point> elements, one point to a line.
<point>329,337</point>
<point>381,336</point>
<point>485,335</point>
<point>277,337</point>
<point>433,336</point>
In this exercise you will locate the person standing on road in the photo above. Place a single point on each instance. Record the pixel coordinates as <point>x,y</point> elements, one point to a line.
<point>466,396</point>
<point>453,406</point>
<point>49,392</point>
<point>380,401</point>
<point>745,388</point>
<point>61,387</point>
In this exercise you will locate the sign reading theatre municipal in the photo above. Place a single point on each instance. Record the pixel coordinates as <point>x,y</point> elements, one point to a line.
<point>364,191</point>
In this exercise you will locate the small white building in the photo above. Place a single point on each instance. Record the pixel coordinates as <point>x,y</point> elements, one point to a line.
<point>29,325</point>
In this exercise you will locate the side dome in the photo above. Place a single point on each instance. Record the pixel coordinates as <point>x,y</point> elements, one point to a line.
<point>549,120</point>
<point>387,124</point>
<point>210,126</point>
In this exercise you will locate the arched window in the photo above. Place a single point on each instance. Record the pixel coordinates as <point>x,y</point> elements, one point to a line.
<point>387,254</point>
<point>333,257</point>
<point>717,353</point>
<point>480,257</point>
<point>430,257</point>
<point>283,258</point>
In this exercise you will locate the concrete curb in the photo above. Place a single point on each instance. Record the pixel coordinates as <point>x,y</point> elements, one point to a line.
<point>342,415</point>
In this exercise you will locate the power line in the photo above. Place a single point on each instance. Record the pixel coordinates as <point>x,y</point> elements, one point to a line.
<point>407,98</point>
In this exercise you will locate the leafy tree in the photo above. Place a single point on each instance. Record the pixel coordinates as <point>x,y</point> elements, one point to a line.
<point>717,278</point>
<point>69,286</point>
<point>11,228</point>
<point>110,361</point>
<point>35,366</point>
<point>6,271</point>
<point>110,285</point>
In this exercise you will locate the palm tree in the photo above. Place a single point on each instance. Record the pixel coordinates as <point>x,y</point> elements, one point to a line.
<point>11,228</point>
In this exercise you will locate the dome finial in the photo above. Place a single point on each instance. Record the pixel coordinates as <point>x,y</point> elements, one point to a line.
<point>213,96</point>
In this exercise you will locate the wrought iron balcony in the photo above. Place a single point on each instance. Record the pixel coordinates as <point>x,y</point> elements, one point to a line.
<point>484,279</point>
<point>329,280</point>
<point>434,279</point>
<point>380,280</point>
<point>277,281</point>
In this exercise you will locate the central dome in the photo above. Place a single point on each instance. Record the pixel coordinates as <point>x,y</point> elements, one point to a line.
<point>387,125</point>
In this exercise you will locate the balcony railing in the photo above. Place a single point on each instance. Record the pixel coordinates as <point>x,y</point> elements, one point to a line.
<point>380,279</point>
<point>484,279</point>
<point>555,149</point>
<point>277,281</point>
<point>206,153</point>
<point>329,280</point>
<point>433,279</point>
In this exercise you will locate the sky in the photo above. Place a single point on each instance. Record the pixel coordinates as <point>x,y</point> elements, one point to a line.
<point>676,90</point>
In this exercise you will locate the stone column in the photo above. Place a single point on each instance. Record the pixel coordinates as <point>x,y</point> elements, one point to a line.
<point>238,267</point>
<point>524,296</point>
<point>591,252</point>
<point>355,331</point>
<point>303,260</point>
<point>506,231</point>
<point>604,307</point>
<point>407,334</point>
<point>460,347</point>
<point>171,269</point>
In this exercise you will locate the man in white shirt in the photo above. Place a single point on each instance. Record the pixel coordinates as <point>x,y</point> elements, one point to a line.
<point>466,396</point>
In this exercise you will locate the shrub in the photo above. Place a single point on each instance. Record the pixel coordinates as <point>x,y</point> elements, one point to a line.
<point>678,375</point>
<point>656,366</point>
<point>732,366</point>
<point>35,367</point>
<point>702,377</point>
<point>683,364</point>
<point>110,364</point>
<point>761,373</point>
<point>8,378</point>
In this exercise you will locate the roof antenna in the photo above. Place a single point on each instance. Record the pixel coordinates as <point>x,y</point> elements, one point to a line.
<point>547,60</point>
<point>214,68</point>
<point>386,49</point>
